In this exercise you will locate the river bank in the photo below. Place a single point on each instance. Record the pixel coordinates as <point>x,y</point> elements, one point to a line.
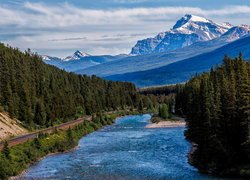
<point>158,122</point>
<point>20,175</point>
<point>22,156</point>
<point>166,124</point>
<point>114,117</point>
<point>124,150</point>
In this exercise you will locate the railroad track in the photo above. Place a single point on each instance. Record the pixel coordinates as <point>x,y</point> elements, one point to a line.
<point>23,138</point>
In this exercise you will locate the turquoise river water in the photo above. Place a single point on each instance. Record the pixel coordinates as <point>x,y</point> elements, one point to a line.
<point>125,150</point>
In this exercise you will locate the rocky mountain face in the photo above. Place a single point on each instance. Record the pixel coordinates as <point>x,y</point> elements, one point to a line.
<point>187,31</point>
<point>235,33</point>
<point>76,56</point>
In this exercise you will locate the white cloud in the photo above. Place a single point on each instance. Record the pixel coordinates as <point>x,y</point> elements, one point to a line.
<point>65,15</point>
<point>70,23</point>
<point>229,10</point>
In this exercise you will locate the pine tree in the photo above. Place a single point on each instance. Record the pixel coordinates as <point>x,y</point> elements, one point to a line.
<point>37,143</point>
<point>140,106</point>
<point>70,138</point>
<point>163,111</point>
<point>40,114</point>
<point>6,150</point>
<point>217,106</point>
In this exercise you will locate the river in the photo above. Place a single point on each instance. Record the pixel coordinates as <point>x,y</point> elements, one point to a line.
<point>125,150</point>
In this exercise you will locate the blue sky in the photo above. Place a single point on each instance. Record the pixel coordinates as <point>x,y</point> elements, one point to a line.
<point>58,28</point>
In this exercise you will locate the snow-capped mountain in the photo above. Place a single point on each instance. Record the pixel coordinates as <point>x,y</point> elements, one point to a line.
<point>181,71</point>
<point>191,36</point>
<point>188,30</point>
<point>156,60</point>
<point>79,60</point>
<point>235,33</point>
<point>50,58</point>
<point>76,56</point>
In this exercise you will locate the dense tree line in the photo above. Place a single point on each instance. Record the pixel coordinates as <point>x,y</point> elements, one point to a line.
<point>217,108</point>
<point>164,96</point>
<point>40,94</point>
<point>161,90</point>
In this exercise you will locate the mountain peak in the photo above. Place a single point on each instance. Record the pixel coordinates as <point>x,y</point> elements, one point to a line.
<point>195,18</point>
<point>190,18</point>
<point>227,24</point>
<point>76,56</point>
<point>188,29</point>
<point>80,54</point>
<point>49,58</point>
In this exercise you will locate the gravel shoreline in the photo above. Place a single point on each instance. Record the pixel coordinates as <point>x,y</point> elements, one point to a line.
<point>167,124</point>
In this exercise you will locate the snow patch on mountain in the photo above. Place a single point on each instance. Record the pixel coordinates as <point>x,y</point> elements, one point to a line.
<point>49,58</point>
<point>46,58</point>
<point>236,32</point>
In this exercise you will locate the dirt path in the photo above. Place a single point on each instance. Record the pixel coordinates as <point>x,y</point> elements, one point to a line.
<point>21,139</point>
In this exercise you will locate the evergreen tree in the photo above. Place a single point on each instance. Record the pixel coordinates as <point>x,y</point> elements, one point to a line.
<point>164,111</point>
<point>140,106</point>
<point>40,114</point>
<point>6,150</point>
<point>40,94</point>
<point>37,143</point>
<point>217,106</point>
<point>70,138</point>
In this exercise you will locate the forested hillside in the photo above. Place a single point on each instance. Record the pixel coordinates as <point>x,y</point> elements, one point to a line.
<point>159,90</point>
<point>40,94</point>
<point>217,107</point>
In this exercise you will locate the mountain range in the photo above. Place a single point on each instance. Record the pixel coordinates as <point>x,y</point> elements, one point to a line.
<point>79,60</point>
<point>191,36</point>
<point>181,71</point>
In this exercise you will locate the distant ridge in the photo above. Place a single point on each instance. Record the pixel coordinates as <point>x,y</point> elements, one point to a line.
<point>181,71</point>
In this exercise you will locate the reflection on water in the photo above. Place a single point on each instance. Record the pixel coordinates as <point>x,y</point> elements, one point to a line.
<point>125,150</point>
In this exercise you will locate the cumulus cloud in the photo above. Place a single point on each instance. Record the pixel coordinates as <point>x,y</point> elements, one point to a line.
<point>65,15</point>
